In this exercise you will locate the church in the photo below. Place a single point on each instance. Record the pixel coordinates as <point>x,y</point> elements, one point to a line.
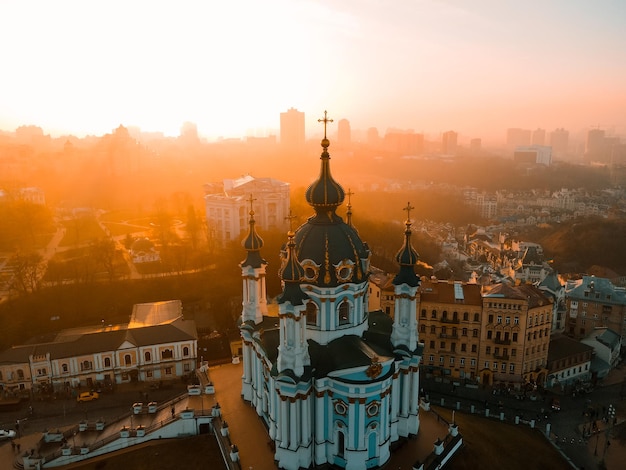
<point>333,382</point>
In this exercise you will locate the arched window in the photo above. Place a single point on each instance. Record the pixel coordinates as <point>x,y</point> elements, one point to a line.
<point>455,316</point>
<point>444,315</point>
<point>107,362</point>
<point>20,374</point>
<point>127,359</point>
<point>185,351</point>
<point>64,368</point>
<point>167,354</point>
<point>465,316</point>
<point>423,328</point>
<point>311,313</point>
<point>344,313</point>
<point>147,356</point>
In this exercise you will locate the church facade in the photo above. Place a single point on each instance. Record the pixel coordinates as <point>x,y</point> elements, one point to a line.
<point>334,382</point>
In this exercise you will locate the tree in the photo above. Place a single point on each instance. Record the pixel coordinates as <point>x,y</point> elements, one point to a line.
<point>103,252</point>
<point>28,270</point>
<point>193,226</point>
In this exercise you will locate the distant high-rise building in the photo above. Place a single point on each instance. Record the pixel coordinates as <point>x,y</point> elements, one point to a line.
<point>559,141</point>
<point>539,137</point>
<point>534,154</point>
<point>449,143</point>
<point>516,137</point>
<point>373,139</point>
<point>343,133</point>
<point>404,142</point>
<point>292,131</point>
<point>600,147</point>
<point>476,145</point>
<point>189,133</point>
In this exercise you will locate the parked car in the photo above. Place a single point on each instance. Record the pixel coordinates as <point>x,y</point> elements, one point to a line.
<point>10,434</point>
<point>87,396</point>
<point>556,404</point>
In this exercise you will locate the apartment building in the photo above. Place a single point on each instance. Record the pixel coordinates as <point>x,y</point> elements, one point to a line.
<point>594,302</point>
<point>449,325</point>
<point>515,336</point>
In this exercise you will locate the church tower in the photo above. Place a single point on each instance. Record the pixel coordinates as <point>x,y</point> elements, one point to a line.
<point>254,299</point>
<point>404,336</point>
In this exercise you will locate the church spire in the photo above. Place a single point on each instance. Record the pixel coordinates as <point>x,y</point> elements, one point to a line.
<point>292,272</point>
<point>349,212</point>
<point>407,256</point>
<point>325,194</point>
<point>253,242</point>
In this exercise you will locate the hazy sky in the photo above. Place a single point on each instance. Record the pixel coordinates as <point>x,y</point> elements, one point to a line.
<point>476,66</point>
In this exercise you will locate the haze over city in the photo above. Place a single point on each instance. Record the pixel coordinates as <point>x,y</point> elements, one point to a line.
<point>232,67</point>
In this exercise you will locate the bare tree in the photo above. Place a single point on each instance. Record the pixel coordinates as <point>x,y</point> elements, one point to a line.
<point>28,270</point>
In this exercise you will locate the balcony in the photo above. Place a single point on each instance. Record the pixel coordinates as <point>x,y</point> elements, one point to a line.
<point>449,335</point>
<point>502,357</point>
<point>502,341</point>
<point>450,320</point>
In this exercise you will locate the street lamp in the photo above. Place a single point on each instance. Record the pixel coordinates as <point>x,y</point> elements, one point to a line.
<point>610,417</point>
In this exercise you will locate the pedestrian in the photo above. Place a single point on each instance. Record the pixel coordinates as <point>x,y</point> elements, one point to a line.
<point>173,412</point>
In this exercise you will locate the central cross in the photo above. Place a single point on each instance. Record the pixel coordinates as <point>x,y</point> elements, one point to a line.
<point>251,200</point>
<point>408,210</point>
<point>325,121</point>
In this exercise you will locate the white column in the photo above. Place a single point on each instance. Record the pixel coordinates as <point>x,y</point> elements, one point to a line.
<point>294,430</point>
<point>405,394</point>
<point>415,391</point>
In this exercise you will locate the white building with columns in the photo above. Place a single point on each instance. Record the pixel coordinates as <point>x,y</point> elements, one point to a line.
<point>334,382</point>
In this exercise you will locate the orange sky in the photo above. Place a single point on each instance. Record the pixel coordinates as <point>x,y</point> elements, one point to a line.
<point>231,67</point>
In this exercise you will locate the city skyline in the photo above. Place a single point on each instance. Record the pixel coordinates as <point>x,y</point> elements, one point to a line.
<point>232,69</point>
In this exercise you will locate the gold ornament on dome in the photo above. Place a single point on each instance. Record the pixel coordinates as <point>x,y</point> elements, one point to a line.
<point>374,369</point>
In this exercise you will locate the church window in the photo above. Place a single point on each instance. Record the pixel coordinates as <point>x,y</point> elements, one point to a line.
<point>311,270</point>
<point>341,408</point>
<point>186,351</point>
<point>344,313</point>
<point>167,354</point>
<point>311,313</point>
<point>127,359</point>
<point>372,409</point>
<point>107,362</point>
<point>343,270</point>
<point>64,368</point>
<point>147,356</point>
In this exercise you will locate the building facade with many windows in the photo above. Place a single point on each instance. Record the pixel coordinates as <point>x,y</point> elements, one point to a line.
<point>450,323</point>
<point>227,206</point>
<point>157,344</point>
<point>594,302</point>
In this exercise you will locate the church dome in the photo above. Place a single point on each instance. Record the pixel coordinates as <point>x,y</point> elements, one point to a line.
<point>330,251</point>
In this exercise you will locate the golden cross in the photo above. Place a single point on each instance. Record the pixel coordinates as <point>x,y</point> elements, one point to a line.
<point>290,218</point>
<point>251,200</point>
<point>325,121</point>
<point>408,210</point>
<point>349,193</point>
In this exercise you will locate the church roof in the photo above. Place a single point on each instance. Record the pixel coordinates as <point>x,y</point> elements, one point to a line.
<point>334,249</point>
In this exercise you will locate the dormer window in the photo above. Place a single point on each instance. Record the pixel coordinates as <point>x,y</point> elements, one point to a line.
<point>343,270</point>
<point>311,270</point>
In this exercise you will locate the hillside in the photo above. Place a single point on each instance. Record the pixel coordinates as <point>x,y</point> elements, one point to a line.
<point>584,246</point>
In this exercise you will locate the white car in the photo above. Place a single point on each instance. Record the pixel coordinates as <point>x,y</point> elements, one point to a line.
<point>6,434</point>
